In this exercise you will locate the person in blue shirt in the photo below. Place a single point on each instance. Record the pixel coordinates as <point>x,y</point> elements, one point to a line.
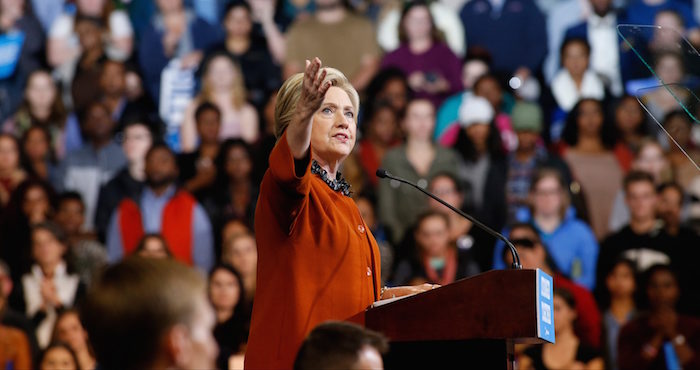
<point>570,242</point>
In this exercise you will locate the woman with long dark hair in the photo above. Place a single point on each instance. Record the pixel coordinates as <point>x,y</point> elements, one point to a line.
<point>226,294</point>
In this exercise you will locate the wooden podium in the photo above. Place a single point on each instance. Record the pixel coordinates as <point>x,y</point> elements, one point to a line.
<point>472,323</point>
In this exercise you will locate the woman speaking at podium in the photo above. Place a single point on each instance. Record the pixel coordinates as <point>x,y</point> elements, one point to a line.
<point>317,259</point>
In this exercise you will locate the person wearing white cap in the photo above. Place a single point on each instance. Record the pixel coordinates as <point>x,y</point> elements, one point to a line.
<point>484,166</point>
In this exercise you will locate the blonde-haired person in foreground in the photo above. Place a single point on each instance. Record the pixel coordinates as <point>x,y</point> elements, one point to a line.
<point>317,259</point>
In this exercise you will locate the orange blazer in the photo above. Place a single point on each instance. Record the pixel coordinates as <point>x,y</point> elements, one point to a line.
<point>317,261</point>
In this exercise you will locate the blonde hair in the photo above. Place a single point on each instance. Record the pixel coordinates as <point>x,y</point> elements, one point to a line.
<point>290,92</point>
<point>239,91</point>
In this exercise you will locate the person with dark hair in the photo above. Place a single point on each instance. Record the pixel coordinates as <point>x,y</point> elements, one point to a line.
<point>533,255</point>
<point>84,80</point>
<point>660,338</point>
<point>240,251</point>
<point>433,70</point>
<point>226,294</point>
<point>140,313</point>
<point>631,126</point>
<point>337,36</point>
<point>86,255</point>
<point>568,352</point>
<point>197,168</point>
<point>174,32</point>
<point>417,160</point>
<point>233,193</point>
<point>341,345</point>
<point>258,53</point>
<point>113,91</point>
<point>11,171</point>
<point>87,169</point>
<point>682,155</point>
<point>468,239</point>
<point>49,287</point>
<point>162,208</point>
<point>435,259</point>
<point>153,245</point>
<point>575,80</point>
<point>482,166</point>
<point>32,203</point>
<point>380,133</point>
<point>643,240</point>
<point>38,155</point>
<point>70,330</point>
<point>137,136</point>
<point>489,86</point>
<point>619,304</point>
<point>589,139</point>
<point>570,241</point>
<point>389,85</point>
<point>58,356</point>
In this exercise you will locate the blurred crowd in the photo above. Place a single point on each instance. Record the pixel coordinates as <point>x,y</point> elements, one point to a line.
<point>144,127</point>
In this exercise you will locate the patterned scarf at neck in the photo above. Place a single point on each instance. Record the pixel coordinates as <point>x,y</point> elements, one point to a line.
<point>337,184</point>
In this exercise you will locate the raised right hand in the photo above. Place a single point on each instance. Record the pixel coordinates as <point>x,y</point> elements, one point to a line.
<point>313,90</point>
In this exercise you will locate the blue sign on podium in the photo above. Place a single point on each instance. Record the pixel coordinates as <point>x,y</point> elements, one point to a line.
<point>545,306</point>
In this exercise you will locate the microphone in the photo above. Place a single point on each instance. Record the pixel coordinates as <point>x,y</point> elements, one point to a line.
<point>384,174</point>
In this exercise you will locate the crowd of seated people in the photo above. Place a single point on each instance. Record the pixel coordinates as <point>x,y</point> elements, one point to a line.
<point>144,128</point>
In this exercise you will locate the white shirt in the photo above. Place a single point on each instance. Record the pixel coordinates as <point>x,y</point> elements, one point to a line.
<point>605,56</point>
<point>66,288</point>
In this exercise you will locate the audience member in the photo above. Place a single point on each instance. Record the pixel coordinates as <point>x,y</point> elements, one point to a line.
<point>593,165</point>
<point>113,89</point>
<point>226,294</point>
<point>174,34</point>
<point>86,255</point>
<point>462,232</point>
<point>31,204</point>
<point>42,106</point>
<point>256,54</point>
<point>162,208</point>
<point>234,193</point>
<point>222,85</point>
<point>337,36</point>
<point>58,356</point>
<point>513,32</point>
<point>152,245</point>
<point>380,131</point>
<point>533,254</point>
<point>12,318</point>
<point>661,100</point>
<point>482,166</point>
<point>474,66</point>
<point>631,126</point>
<point>241,253</point>
<point>648,157</point>
<point>660,338</point>
<point>84,86</point>
<point>568,352</point>
<point>49,287</point>
<point>417,160</point>
<point>682,155</point>
<point>435,259</point>
<point>11,172</point>
<point>341,345</point>
<point>644,11</point>
<point>502,102</point>
<point>570,242</point>
<point>136,319</point>
<point>38,154</point>
<point>433,70</point>
<point>607,58</point>
<point>574,81</point>
<point>528,157</point>
<point>17,18</point>
<point>197,169</point>
<point>619,305</point>
<point>389,85</point>
<point>137,138</point>
<point>69,330</point>
<point>87,169</point>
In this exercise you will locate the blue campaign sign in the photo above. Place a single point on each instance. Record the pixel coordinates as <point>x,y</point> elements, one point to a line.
<point>10,47</point>
<point>545,306</point>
